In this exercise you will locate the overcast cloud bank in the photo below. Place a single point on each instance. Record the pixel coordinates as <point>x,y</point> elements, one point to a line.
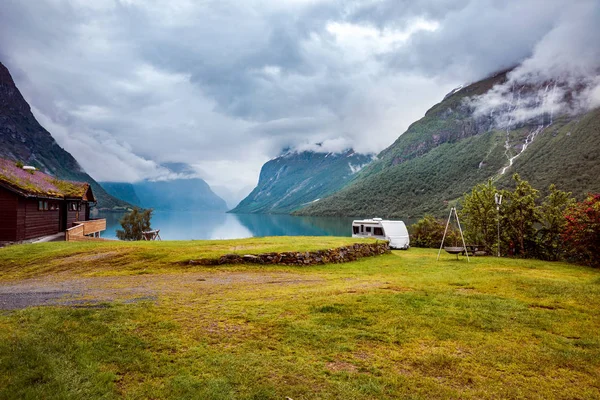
<point>223,86</point>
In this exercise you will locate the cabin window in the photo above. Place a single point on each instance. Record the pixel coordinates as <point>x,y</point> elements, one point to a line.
<point>74,206</point>
<point>368,229</point>
<point>355,230</point>
<point>378,232</point>
<point>42,205</point>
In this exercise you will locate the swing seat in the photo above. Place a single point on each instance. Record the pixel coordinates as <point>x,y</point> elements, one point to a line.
<point>454,250</point>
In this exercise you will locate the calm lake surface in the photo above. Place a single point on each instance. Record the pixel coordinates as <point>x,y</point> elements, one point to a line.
<point>185,225</point>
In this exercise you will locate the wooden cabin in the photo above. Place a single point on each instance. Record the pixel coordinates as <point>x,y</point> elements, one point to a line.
<point>34,204</point>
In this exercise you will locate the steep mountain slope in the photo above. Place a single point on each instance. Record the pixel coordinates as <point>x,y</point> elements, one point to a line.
<point>175,195</point>
<point>22,138</point>
<point>453,147</point>
<point>122,190</point>
<point>295,179</point>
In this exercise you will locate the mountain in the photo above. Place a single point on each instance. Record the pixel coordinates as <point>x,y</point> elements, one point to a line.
<point>294,179</point>
<point>23,139</point>
<point>192,194</point>
<point>460,143</point>
<point>122,190</point>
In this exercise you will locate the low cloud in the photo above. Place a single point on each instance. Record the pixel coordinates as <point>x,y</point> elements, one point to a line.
<point>562,76</point>
<point>128,86</point>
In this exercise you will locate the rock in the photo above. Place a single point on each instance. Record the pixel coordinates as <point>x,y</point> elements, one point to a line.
<point>230,259</point>
<point>339,255</point>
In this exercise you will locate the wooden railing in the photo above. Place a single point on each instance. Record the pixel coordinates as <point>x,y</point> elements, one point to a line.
<point>93,226</point>
<point>82,229</point>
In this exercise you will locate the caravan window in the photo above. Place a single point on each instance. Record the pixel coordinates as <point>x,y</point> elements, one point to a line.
<point>355,230</point>
<point>362,228</point>
<point>369,229</point>
<point>378,232</point>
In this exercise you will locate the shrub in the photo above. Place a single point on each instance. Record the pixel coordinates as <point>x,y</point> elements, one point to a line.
<point>582,231</point>
<point>429,231</point>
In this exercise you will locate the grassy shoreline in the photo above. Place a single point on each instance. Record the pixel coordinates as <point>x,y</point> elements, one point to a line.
<point>394,326</point>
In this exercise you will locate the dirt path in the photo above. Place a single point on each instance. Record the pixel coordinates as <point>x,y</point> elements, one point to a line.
<point>75,291</point>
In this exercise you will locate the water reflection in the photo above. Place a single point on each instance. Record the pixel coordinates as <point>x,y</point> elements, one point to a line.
<point>202,225</point>
<point>185,225</point>
<point>288,225</point>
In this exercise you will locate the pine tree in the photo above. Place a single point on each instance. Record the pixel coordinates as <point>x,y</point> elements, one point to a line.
<point>480,216</point>
<point>553,223</point>
<point>520,216</point>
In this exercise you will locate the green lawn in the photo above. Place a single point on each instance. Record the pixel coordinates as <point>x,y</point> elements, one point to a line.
<point>117,257</point>
<point>395,326</point>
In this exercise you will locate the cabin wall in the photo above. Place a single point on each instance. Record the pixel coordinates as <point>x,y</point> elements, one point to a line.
<point>9,204</point>
<point>20,220</point>
<point>74,216</point>
<point>84,214</point>
<point>39,222</point>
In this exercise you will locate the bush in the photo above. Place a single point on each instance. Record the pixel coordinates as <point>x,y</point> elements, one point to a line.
<point>134,223</point>
<point>582,231</point>
<point>429,231</point>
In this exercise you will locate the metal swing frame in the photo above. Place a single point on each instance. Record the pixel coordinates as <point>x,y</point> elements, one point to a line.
<point>453,209</point>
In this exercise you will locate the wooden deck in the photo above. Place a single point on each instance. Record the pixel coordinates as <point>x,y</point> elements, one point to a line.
<point>86,231</point>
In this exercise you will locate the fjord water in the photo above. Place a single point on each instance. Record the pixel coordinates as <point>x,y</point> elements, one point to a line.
<point>185,225</point>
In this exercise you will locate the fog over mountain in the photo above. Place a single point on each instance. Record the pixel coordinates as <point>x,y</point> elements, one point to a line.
<point>130,86</point>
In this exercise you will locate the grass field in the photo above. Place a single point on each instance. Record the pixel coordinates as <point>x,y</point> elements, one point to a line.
<point>125,258</point>
<point>394,326</point>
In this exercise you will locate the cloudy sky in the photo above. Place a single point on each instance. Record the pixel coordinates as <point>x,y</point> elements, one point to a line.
<point>224,85</point>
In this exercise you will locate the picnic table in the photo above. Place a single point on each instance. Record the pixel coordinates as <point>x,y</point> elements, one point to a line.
<point>151,235</point>
<point>472,249</point>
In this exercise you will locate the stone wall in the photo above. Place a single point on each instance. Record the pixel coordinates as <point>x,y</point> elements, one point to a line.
<point>331,256</point>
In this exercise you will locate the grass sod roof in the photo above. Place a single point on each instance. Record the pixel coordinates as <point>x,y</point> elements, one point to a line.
<point>37,183</point>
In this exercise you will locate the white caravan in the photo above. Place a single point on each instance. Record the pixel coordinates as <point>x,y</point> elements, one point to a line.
<point>393,231</point>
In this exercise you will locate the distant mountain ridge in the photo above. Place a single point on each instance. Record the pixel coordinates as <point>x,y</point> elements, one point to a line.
<point>454,147</point>
<point>294,179</point>
<point>23,139</point>
<point>174,195</point>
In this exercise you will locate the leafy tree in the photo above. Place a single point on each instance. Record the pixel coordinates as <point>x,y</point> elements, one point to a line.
<point>480,216</point>
<point>429,231</point>
<point>520,216</point>
<point>582,231</point>
<point>553,221</point>
<point>134,223</point>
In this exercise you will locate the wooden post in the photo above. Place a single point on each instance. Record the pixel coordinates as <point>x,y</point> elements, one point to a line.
<point>445,230</point>
<point>461,234</point>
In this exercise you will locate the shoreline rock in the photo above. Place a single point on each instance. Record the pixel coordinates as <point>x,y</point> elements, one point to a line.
<point>332,256</point>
